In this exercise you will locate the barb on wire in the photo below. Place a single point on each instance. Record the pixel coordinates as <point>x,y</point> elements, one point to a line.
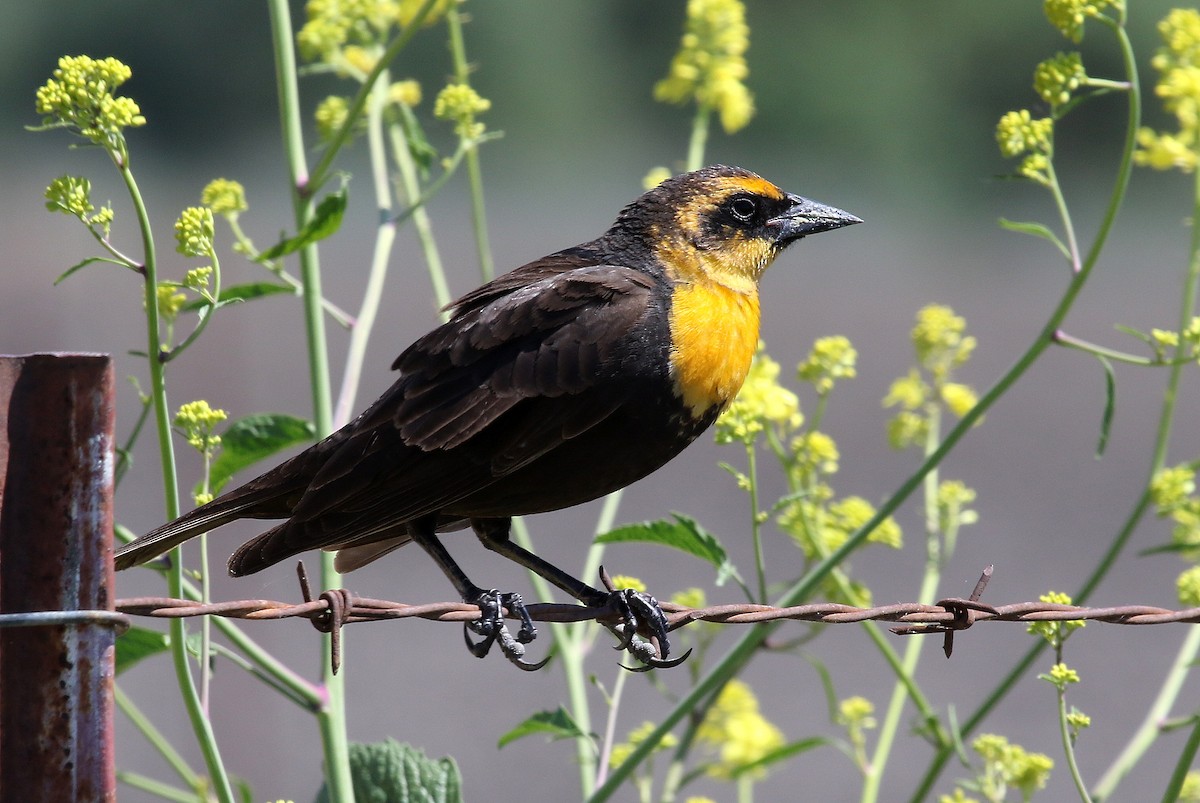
<point>333,609</point>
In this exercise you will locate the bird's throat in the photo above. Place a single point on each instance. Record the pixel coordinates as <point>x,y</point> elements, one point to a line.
<point>714,334</point>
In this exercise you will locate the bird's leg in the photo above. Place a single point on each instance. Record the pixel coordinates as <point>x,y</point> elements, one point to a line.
<point>491,603</point>
<point>638,611</point>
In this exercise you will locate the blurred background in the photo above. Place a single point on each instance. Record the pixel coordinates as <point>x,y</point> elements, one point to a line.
<point>884,109</point>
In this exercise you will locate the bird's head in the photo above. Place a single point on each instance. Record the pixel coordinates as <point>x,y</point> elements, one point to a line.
<point>723,223</point>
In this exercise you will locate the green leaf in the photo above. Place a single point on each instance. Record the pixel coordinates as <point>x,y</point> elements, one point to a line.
<point>1110,405</point>
<point>684,534</point>
<point>1035,230</point>
<point>250,439</point>
<point>137,643</point>
<point>89,261</point>
<point>780,754</point>
<point>242,292</point>
<point>1171,548</point>
<point>326,219</point>
<point>555,724</point>
<point>399,773</point>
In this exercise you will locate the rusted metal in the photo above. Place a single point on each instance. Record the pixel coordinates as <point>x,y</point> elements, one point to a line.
<point>56,676</point>
<point>341,607</point>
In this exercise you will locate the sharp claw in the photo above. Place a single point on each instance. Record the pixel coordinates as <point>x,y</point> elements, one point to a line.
<point>651,662</point>
<point>641,612</point>
<point>477,648</point>
<point>490,625</point>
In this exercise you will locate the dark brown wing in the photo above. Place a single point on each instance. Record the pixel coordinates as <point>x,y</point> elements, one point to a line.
<point>560,337</point>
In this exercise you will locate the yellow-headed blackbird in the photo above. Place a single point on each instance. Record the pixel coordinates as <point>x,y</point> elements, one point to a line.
<point>554,384</point>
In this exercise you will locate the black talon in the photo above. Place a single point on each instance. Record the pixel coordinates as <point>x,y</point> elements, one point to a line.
<point>651,662</point>
<point>490,625</point>
<point>641,612</point>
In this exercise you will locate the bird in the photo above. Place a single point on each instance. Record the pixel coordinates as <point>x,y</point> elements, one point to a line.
<point>554,384</point>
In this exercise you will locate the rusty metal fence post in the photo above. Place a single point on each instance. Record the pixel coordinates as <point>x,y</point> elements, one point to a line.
<point>56,578</point>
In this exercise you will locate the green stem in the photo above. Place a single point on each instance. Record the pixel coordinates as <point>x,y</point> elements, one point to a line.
<point>458,53</point>
<point>760,565</point>
<point>610,728</point>
<point>1069,341</point>
<point>1184,765</point>
<point>156,739</point>
<point>157,788</point>
<point>1069,747</point>
<point>385,236</point>
<point>420,216</point>
<point>572,639</point>
<point>162,419</point>
<point>1120,185</point>
<point>699,138</point>
<point>331,717</point>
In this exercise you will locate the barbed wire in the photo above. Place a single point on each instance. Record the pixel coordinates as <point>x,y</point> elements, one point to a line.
<point>338,607</point>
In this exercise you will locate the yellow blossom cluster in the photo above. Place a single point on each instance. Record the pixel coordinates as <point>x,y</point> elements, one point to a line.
<point>761,402</point>
<point>941,344</point>
<point>224,197</point>
<point>1008,764</point>
<point>332,27</point>
<point>621,750</point>
<point>1055,633</point>
<point>1069,16</point>
<point>1178,64</point>
<point>196,421</point>
<point>80,96</point>
<point>832,358</point>
<point>1018,134</point>
<point>710,67</point>
<point>194,232</point>
<point>1056,78</point>
<point>738,731</point>
<point>460,103</point>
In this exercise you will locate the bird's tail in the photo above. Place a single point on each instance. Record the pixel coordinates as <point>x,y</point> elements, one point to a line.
<point>241,503</point>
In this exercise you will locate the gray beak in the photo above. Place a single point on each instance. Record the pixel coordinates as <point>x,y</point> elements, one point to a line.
<point>806,217</point>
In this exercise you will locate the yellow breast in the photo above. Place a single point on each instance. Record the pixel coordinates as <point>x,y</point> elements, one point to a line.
<point>714,334</point>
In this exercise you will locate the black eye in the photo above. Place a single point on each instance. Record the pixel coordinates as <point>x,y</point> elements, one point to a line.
<point>743,208</point>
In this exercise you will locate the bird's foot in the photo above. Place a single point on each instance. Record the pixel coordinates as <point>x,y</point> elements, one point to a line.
<point>641,614</point>
<point>490,625</point>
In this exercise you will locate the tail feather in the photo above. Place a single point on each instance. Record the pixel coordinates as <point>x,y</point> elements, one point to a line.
<point>249,503</point>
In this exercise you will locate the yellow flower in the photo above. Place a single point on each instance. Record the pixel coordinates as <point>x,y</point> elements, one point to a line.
<point>170,301</point>
<point>690,598</point>
<point>760,402</point>
<point>656,176</point>
<point>461,103</point>
<point>196,420</point>
<point>710,67</point>
<point>959,398</point>
<point>1069,15</point>
<point>831,358</point>
<point>406,92</point>
<point>79,96</point>
<point>194,232</point>
<point>621,750</point>
<point>1188,587</point>
<point>735,727</point>
<point>939,339</point>
<point>1056,78</point>
<point>224,197</point>
<point>1171,487</point>
<point>621,581</point>
<point>331,115</point>
<point>1178,63</point>
<point>910,392</point>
